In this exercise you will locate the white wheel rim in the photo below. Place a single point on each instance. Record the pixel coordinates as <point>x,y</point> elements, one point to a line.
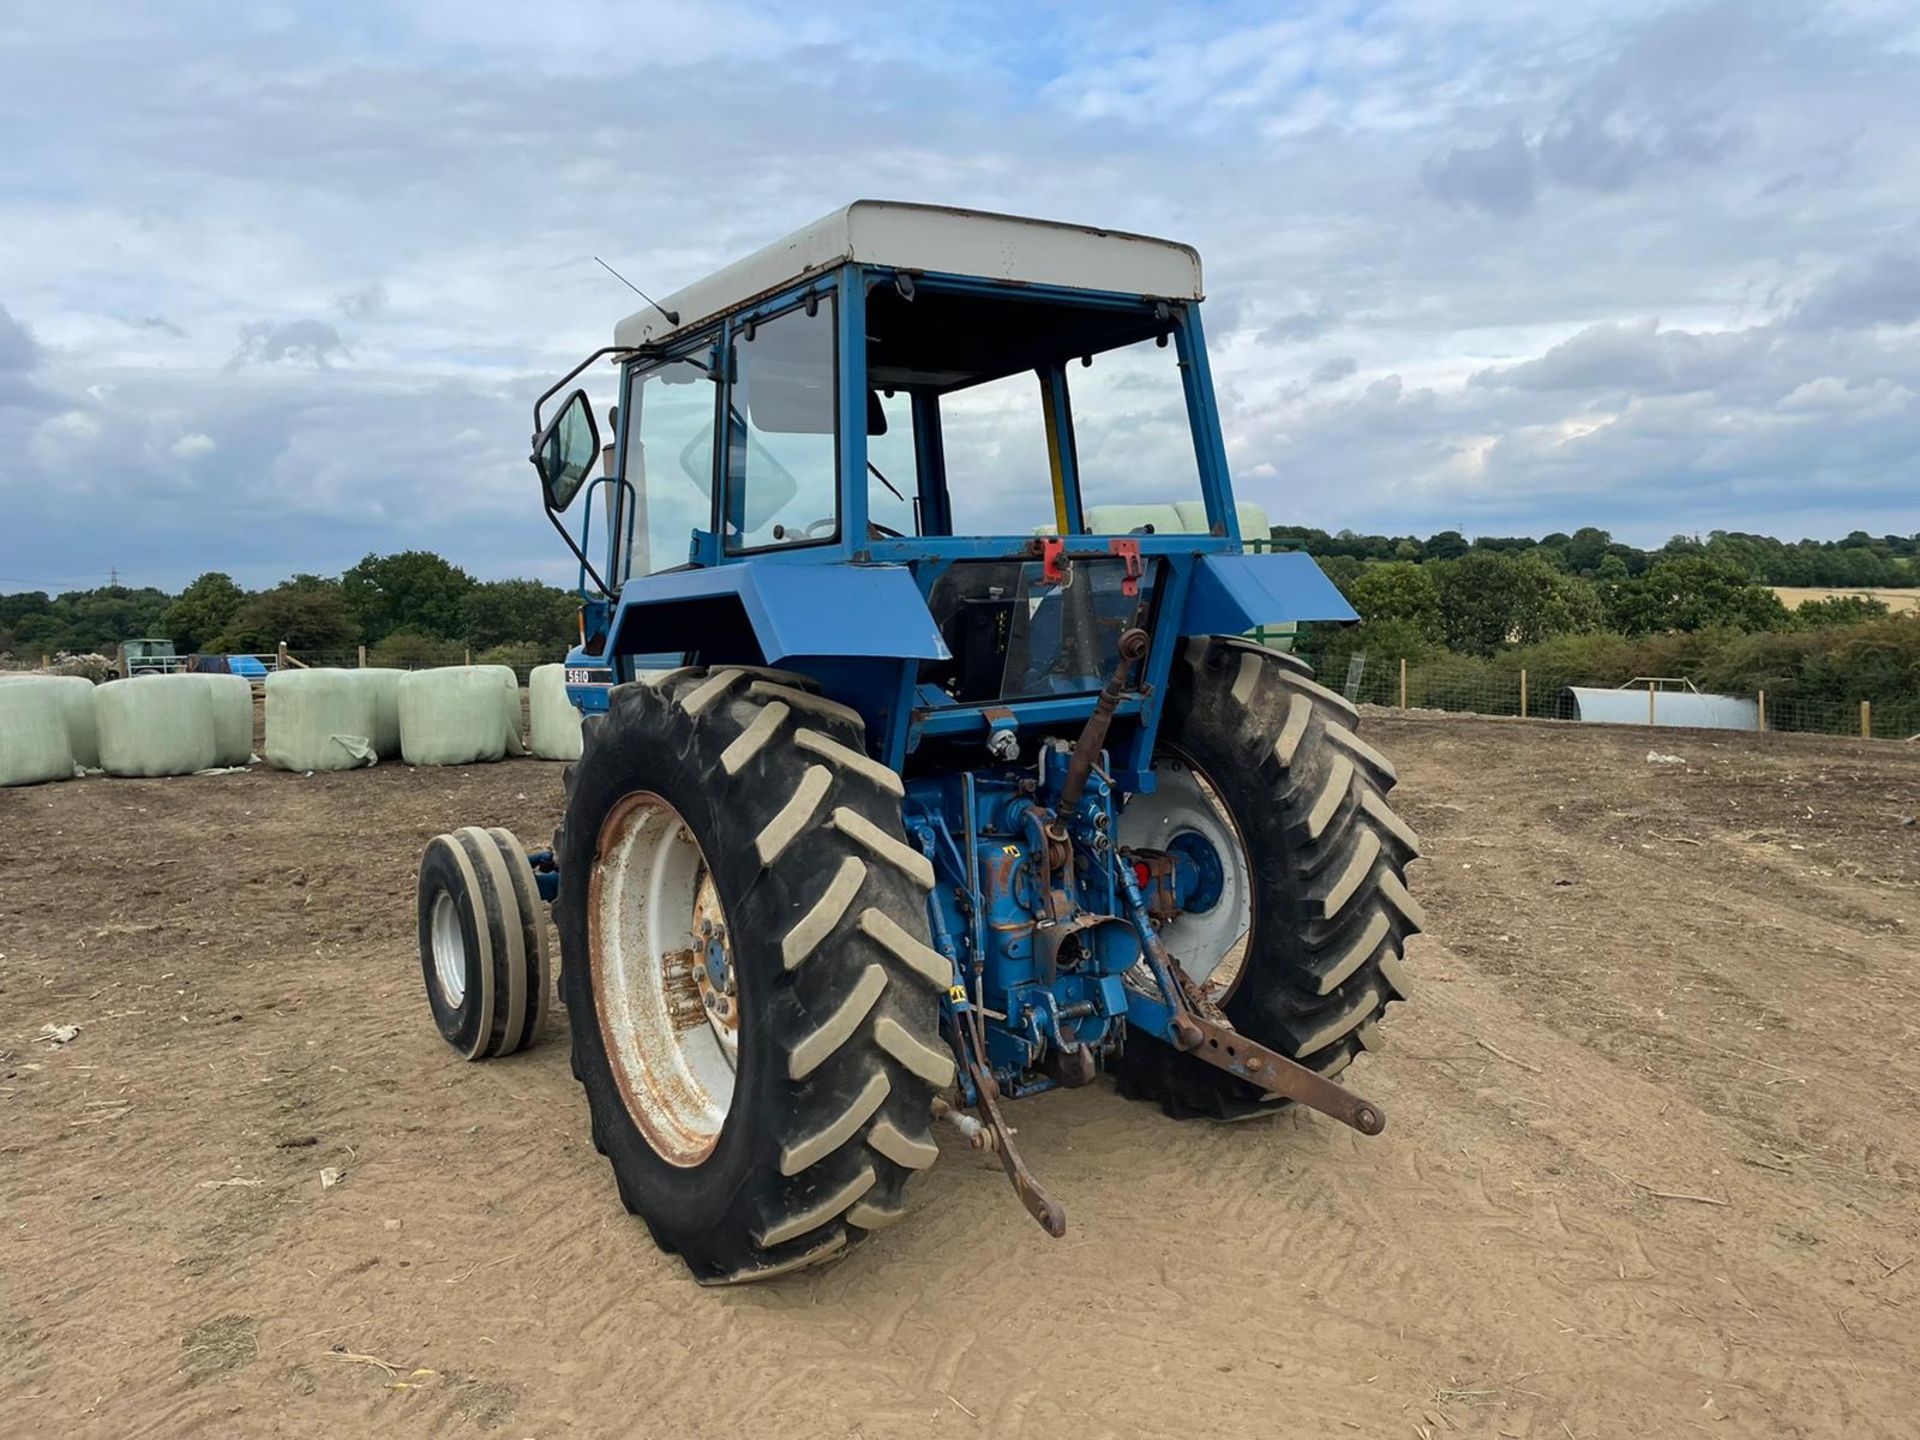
<point>669,1030</point>
<point>1210,945</point>
<point>449,949</point>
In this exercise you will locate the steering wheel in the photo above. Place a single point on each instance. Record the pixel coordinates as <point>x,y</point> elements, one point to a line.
<point>821,528</point>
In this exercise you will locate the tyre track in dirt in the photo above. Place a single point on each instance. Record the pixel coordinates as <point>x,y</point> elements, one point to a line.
<point>1496,1261</point>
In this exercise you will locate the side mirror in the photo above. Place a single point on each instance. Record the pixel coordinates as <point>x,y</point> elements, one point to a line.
<point>564,452</point>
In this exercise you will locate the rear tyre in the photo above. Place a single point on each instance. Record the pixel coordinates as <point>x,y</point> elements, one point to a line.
<point>482,945</point>
<point>753,1001</point>
<point>1321,874</point>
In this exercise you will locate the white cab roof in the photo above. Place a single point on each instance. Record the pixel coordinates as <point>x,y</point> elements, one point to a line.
<point>934,238</point>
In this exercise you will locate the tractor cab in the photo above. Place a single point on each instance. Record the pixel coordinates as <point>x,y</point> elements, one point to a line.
<point>940,458</point>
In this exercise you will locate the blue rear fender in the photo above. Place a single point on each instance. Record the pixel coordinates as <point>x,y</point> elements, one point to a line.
<point>787,610</point>
<point>1232,594</point>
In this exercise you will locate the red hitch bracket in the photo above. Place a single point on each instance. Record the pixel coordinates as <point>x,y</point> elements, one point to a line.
<point>1052,552</point>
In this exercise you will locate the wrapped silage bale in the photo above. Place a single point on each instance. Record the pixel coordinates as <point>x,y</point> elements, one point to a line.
<point>33,735</point>
<point>155,725</point>
<point>232,700</point>
<point>1253,518</point>
<point>1125,519</point>
<point>551,719</point>
<point>460,715</point>
<point>320,720</point>
<point>76,705</point>
<point>513,709</point>
<point>385,685</point>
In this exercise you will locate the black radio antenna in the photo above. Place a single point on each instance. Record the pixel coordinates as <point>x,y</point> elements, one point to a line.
<point>673,316</point>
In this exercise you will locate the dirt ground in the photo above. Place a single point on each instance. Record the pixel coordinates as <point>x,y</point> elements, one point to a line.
<point>1652,1166</point>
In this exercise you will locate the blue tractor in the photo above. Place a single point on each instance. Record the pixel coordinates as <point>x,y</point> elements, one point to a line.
<point>913,779</point>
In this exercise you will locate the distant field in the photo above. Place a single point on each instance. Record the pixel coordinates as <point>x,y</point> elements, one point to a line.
<point>1894,600</point>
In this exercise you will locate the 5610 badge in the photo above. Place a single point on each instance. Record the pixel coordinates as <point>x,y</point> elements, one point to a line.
<point>588,688</point>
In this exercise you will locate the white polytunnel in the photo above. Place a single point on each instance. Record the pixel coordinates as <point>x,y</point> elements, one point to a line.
<point>1679,709</point>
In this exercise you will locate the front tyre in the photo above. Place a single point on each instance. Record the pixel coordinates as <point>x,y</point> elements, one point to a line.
<point>753,1001</point>
<point>1303,946</point>
<point>483,944</point>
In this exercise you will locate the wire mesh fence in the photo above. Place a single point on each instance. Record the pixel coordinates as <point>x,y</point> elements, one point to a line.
<point>1473,687</point>
<point>1458,684</point>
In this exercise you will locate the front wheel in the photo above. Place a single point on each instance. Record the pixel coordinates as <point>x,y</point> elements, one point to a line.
<point>753,1000</point>
<point>1302,941</point>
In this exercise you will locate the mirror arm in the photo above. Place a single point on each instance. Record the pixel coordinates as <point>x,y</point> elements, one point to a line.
<point>568,378</point>
<point>553,518</point>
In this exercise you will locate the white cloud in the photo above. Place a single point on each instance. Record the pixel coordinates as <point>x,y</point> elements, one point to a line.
<point>192,447</point>
<point>1436,240</point>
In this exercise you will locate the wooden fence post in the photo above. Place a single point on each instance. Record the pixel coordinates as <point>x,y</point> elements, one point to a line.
<point>1403,682</point>
<point>280,656</point>
<point>469,659</point>
<point>363,657</point>
<point>1866,719</point>
<point>1650,702</point>
<point>1763,710</point>
<point>1523,694</point>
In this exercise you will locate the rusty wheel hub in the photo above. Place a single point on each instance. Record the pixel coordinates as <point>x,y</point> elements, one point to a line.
<point>663,978</point>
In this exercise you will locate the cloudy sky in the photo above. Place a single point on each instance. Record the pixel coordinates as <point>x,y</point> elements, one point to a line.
<point>277,282</point>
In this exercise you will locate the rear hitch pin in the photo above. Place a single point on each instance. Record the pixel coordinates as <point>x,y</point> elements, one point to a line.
<point>977,1135</point>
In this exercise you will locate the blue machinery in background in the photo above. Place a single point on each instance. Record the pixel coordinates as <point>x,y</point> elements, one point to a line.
<point>1015,796</point>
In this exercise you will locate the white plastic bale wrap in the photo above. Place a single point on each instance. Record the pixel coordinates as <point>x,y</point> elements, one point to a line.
<point>1124,519</point>
<point>319,720</point>
<point>552,721</point>
<point>232,718</point>
<point>385,685</point>
<point>1253,518</point>
<point>76,704</point>
<point>33,735</point>
<point>1182,517</point>
<point>155,725</point>
<point>514,710</point>
<point>460,715</point>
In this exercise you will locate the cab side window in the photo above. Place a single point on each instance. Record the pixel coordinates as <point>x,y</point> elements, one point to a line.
<point>669,461</point>
<point>782,456</point>
<point>892,472</point>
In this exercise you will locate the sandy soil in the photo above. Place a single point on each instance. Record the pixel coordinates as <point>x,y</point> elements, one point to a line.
<point>1653,1165</point>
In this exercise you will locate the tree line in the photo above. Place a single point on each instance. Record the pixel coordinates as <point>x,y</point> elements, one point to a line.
<point>1490,600</point>
<point>1859,560</point>
<point>1471,616</point>
<point>408,607</point>
<point>1443,598</point>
